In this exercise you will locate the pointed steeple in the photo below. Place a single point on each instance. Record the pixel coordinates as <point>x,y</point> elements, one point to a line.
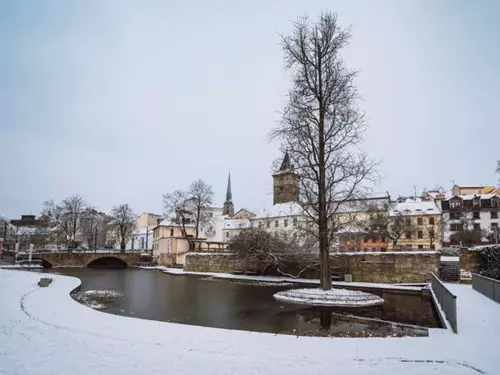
<point>228,208</point>
<point>229,195</point>
<point>285,164</point>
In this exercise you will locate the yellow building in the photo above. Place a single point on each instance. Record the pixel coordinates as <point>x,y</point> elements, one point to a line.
<point>169,243</point>
<point>471,190</point>
<point>420,224</point>
<point>147,219</point>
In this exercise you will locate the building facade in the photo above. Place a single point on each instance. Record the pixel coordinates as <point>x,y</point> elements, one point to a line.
<point>471,219</point>
<point>422,223</point>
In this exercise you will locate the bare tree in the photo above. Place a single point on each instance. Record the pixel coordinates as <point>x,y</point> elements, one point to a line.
<point>189,207</point>
<point>94,226</point>
<point>393,226</point>
<point>176,207</point>
<point>259,248</point>
<point>467,235</point>
<point>201,196</point>
<point>322,127</point>
<point>66,216</point>
<point>124,223</point>
<point>434,230</point>
<point>497,170</point>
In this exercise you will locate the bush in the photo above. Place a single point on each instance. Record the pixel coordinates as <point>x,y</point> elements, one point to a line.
<point>491,262</point>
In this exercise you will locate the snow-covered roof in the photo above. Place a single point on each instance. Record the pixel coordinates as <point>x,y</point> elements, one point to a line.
<point>280,210</point>
<point>169,223</point>
<point>415,207</point>
<point>468,197</point>
<point>237,223</point>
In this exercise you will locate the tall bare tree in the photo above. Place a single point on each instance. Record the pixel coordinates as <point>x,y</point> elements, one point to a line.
<point>189,207</point>
<point>66,215</point>
<point>123,220</point>
<point>94,227</point>
<point>322,127</point>
<point>201,196</point>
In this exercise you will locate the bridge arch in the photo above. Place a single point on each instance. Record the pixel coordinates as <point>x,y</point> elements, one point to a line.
<point>107,262</point>
<point>46,264</point>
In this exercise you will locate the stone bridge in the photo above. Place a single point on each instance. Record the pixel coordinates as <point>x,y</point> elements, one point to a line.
<point>118,260</point>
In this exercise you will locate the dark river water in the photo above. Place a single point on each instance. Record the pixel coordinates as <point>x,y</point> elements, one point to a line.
<point>151,294</point>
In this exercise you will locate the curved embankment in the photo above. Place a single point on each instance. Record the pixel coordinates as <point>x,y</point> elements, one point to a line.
<point>44,331</point>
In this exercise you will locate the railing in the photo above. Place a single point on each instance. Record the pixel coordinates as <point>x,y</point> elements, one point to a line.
<point>487,286</point>
<point>447,301</point>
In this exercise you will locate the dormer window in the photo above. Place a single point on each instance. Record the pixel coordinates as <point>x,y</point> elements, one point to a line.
<point>494,201</point>
<point>456,203</point>
<point>475,202</point>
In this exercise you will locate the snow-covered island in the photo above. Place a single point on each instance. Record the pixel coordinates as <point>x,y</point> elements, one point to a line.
<point>44,331</point>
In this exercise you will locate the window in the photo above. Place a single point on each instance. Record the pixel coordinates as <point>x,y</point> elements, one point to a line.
<point>365,239</point>
<point>477,226</point>
<point>227,234</point>
<point>285,236</point>
<point>420,234</point>
<point>268,224</point>
<point>276,223</point>
<point>420,221</point>
<point>142,242</point>
<point>456,203</point>
<point>382,249</point>
<point>281,188</point>
<point>374,249</point>
<point>456,227</point>
<point>420,246</point>
<point>171,232</point>
<point>433,247</point>
<point>285,223</point>
<point>408,221</point>
<point>260,224</point>
<point>374,239</point>
<point>454,215</point>
<point>408,235</point>
<point>431,221</point>
<point>475,203</point>
<point>295,222</point>
<point>382,239</point>
<point>409,246</point>
<point>494,214</point>
<point>494,202</point>
<point>365,249</point>
<point>494,226</point>
<point>475,215</point>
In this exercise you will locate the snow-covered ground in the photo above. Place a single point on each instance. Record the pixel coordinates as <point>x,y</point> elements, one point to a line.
<point>44,331</point>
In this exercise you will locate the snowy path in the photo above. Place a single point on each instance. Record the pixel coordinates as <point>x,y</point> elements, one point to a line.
<point>44,331</point>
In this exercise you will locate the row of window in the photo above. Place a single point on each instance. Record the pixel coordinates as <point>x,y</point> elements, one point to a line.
<point>420,221</point>
<point>458,227</point>
<point>476,203</point>
<point>475,215</point>
<point>277,223</point>
<point>156,233</point>
<point>383,249</point>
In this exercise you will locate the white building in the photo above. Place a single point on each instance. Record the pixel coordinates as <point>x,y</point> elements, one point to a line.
<point>471,212</point>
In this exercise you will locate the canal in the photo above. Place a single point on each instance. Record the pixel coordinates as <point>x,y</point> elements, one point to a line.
<point>151,294</point>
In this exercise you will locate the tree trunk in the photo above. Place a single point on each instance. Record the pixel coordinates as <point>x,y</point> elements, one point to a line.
<point>325,319</point>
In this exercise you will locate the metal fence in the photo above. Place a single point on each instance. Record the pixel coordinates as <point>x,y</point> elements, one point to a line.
<point>487,286</point>
<point>447,300</point>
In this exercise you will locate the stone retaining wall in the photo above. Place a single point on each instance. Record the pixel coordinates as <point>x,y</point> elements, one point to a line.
<point>395,267</point>
<point>470,261</point>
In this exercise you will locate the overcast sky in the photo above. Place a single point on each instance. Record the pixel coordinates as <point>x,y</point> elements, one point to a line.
<point>122,101</point>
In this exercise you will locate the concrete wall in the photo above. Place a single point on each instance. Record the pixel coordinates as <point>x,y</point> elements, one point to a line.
<point>410,267</point>
<point>82,260</point>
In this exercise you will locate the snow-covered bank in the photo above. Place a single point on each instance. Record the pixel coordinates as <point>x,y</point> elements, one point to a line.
<point>281,279</point>
<point>44,331</point>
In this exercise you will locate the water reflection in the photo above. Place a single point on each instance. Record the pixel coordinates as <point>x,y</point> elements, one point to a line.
<point>225,304</point>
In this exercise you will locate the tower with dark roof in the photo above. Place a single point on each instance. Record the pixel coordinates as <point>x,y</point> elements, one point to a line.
<point>228,208</point>
<point>286,183</point>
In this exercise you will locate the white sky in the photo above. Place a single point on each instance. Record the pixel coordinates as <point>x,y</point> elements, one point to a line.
<point>122,101</point>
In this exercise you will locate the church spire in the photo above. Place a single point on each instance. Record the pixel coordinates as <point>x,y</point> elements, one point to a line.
<point>285,164</point>
<point>228,208</point>
<point>229,195</point>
